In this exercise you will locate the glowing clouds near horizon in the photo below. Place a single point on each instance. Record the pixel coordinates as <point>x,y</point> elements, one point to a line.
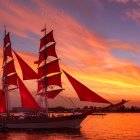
<point>82,52</point>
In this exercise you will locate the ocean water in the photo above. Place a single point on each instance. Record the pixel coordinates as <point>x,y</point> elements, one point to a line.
<point>109,127</point>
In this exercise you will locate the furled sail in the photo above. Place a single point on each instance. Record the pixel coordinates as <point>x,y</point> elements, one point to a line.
<point>2,102</point>
<point>84,93</point>
<point>26,98</point>
<point>27,71</point>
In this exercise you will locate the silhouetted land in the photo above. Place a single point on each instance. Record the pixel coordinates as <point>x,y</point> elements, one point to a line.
<point>61,109</point>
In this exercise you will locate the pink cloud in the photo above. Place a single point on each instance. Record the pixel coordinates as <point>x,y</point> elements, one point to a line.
<point>126,1</point>
<point>73,40</point>
<point>133,14</point>
<point>81,51</point>
<point>121,45</point>
<point>120,1</point>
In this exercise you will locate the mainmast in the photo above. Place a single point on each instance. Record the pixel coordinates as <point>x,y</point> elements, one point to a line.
<point>49,74</point>
<point>44,69</point>
<point>4,78</point>
<point>45,80</point>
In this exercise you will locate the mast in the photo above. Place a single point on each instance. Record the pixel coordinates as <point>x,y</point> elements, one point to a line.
<point>4,78</point>
<point>45,80</point>
<point>49,74</point>
<point>9,77</point>
<point>44,69</point>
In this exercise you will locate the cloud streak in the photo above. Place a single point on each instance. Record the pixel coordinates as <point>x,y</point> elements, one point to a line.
<point>133,15</point>
<point>81,51</point>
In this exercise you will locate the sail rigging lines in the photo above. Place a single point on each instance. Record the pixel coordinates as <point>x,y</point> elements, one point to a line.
<point>10,77</point>
<point>48,74</point>
<point>8,70</point>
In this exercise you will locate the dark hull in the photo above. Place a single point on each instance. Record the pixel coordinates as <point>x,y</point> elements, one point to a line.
<point>72,121</point>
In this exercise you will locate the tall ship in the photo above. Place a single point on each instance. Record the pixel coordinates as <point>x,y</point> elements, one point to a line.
<point>48,77</point>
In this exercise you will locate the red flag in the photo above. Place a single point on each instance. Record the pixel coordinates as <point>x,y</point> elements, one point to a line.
<point>43,30</point>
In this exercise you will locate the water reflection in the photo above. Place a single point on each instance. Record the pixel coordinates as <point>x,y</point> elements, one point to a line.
<point>113,127</point>
<point>4,136</point>
<point>42,134</point>
<point>110,127</point>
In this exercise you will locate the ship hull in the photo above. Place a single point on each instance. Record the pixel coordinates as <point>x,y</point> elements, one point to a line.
<point>72,121</point>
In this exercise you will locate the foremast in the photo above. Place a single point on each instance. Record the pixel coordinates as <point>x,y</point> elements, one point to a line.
<point>4,85</point>
<point>9,73</point>
<point>11,80</point>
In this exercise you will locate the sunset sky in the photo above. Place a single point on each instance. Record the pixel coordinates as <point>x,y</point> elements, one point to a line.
<point>97,41</point>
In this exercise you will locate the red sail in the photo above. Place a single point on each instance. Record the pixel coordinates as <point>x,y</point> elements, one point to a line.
<point>51,94</point>
<point>117,104</point>
<point>54,93</point>
<point>120,103</point>
<point>9,68</point>
<point>84,93</point>
<point>54,80</point>
<point>7,39</point>
<point>40,85</point>
<point>8,51</point>
<point>12,79</point>
<point>27,71</point>
<point>48,51</point>
<point>2,102</point>
<point>26,98</point>
<point>46,39</point>
<point>51,80</point>
<point>49,68</point>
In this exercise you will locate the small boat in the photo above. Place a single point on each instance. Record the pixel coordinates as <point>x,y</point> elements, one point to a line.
<point>98,114</point>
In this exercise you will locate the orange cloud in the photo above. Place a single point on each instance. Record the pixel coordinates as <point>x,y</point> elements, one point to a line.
<point>118,44</point>
<point>83,53</point>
